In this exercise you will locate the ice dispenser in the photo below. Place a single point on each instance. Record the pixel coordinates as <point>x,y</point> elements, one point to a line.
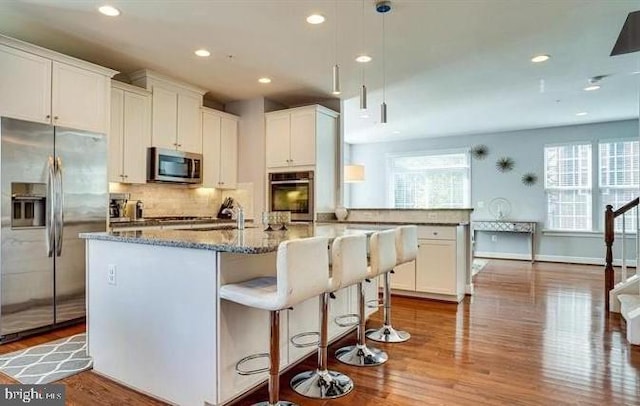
<point>28,205</point>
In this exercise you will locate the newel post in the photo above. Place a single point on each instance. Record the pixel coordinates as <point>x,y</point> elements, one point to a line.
<point>608,240</point>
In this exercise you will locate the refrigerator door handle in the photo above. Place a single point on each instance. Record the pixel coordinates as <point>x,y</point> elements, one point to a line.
<point>51,206</point>
<point>60,207</point>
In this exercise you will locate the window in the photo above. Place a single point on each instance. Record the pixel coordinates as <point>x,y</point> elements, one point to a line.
<point>430,180</point>
<point>618,179</point>
<point>567,171</point>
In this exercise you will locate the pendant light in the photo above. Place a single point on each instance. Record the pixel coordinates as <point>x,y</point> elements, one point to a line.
<point>383,7</point>
<point>336,68</point>
<point>363,88</point>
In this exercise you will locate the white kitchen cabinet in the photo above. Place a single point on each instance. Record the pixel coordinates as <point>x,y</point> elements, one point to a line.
<point>79,98</point>
<point>404,277</point>
<point>176,117</point>
<point>440,269</point>
<point>46,87</point>
<point>219,149</point>
<point>165,118</point>
<point>130,134</point>
<point>292,136</point>
<point>25,86</point>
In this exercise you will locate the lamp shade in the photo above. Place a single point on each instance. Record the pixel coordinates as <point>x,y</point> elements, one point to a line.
<point>353,173</point>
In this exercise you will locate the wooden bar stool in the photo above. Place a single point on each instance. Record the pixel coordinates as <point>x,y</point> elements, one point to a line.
<point>302,272</point>
<point>322,383</point>
<point>351,257</point>
<point>383,260</point>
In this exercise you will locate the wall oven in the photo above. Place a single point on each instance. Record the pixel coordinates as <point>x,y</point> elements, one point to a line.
<point>292,191</point>
<point>166,165</point>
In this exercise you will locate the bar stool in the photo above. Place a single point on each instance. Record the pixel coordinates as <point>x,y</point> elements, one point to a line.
<point>383,260</point>
<point>322,383</point>
<point>302,272</point>
<point>351,256</point>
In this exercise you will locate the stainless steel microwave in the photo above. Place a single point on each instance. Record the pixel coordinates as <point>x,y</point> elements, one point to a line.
<point>166,165</point>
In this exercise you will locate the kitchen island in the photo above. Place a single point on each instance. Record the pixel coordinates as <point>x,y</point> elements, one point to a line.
<point>155,321</point>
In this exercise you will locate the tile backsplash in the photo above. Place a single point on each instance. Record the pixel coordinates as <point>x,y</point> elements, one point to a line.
<point>165,199</point>
<point>172,200</point>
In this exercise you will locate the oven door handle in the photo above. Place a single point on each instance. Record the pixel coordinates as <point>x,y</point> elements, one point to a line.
<point>283,182</point>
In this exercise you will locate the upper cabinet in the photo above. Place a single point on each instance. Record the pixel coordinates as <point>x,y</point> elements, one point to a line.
<point>130,133</point>
<point>43,86</point>
<point>292,135</point>
<point>219,149</point>
<point>175,118</point>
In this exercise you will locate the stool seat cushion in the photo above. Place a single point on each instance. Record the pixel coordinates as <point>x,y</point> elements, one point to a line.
<point>261,293</point>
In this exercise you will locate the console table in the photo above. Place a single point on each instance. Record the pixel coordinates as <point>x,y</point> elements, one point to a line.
<point>527,227</point>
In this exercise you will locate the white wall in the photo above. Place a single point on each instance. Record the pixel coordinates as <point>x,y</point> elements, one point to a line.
<point>528,203</point>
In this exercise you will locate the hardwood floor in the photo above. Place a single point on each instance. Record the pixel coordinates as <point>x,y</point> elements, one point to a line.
<point>532,335</point>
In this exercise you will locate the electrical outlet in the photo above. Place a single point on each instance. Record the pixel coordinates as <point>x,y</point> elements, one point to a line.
<point>111,274</point>
<point>494,238</point>
<point>480,205</point>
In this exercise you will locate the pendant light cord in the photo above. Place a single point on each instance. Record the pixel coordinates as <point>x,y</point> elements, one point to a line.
<point>362,34</point>
<point>384,65</point>
<point>336,33</point>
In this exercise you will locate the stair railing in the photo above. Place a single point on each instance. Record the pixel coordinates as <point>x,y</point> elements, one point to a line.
<point>610,216</point>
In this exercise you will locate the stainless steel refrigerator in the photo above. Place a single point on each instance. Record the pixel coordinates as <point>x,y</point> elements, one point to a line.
<point>54,186</point>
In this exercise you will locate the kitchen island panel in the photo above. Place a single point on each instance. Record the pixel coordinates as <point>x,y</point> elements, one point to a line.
<point>154,328</point>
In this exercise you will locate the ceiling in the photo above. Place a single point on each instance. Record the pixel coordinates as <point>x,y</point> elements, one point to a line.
<point>452,66</point>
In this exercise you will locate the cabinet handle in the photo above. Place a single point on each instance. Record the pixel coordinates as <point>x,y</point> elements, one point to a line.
<point>55,117</point>
<point>126,176</point>
<point>48,116</point>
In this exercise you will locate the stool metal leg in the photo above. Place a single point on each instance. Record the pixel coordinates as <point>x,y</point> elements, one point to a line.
<point>322,383</point>
<point>360,355</point>
<point>274,370</point>
<point>387,334</point>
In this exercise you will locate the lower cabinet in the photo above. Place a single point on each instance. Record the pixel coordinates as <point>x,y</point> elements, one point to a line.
<point>441,266</point>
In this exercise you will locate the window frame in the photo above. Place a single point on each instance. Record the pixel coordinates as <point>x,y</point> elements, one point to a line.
<point>389,172</point>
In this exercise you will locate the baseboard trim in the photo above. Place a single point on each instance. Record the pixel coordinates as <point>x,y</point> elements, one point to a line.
<point>552,258</point>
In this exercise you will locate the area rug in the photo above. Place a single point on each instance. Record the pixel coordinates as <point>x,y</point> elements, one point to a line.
<point>478,264</point>
<point>48,362</point>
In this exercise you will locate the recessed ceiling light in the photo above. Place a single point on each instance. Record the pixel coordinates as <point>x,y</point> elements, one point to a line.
<point>363,59</point>
<point>315,19</point>
<point>202,52</point>
<point>582,113</point>
<point>591,88</point>
<point>264,80</point>
<point>109,11</point>
<point>364,115</point>
<point>540,58</point>
<point>396,132</point>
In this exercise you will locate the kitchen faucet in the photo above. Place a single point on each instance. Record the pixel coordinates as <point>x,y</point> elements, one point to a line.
<point>237,212</point>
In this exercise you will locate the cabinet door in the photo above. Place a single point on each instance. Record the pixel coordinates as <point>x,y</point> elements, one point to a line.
<point>211,150</point>
<point>436,266</point>
<point>79,98</point>
<point>339,306</point>
<point>164,114</point>
<point>303,138</point>
<point>25,86</point>
<point>404,277</point>
<point>277,141</point>
<point>189,134</point>
<point>137,137</point>
<point>229,153</point>
<point>305,317</point>
<point>116,134</point>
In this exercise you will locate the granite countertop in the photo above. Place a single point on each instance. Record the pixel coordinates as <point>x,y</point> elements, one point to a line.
<point>396,223</point>
<point>163,222</point>
<point>227,239</point>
